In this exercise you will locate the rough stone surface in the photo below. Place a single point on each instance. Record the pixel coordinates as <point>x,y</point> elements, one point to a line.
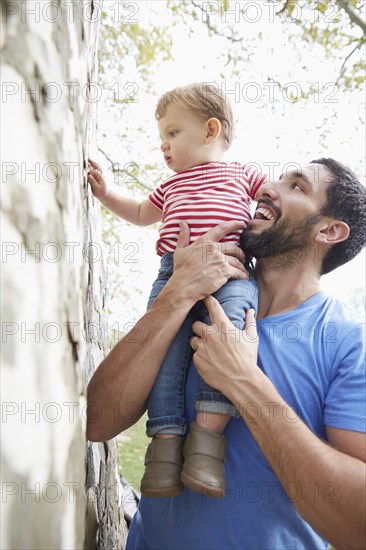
<point>54,331</point>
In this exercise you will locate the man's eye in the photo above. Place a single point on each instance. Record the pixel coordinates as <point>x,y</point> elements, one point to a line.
<point>296,186</point>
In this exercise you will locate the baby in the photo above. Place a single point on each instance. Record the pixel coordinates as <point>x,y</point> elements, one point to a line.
<point>196,128</point>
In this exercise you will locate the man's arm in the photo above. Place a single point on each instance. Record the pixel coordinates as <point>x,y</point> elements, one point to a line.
<point>329,483</point>
<point>119,388</point>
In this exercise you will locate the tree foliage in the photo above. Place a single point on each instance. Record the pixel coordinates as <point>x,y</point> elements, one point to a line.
<point>337,26</point>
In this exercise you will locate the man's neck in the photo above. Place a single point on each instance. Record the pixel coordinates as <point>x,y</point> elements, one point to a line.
<point>283,286</point>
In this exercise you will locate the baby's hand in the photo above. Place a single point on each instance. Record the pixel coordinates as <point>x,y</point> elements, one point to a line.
<point>96,180</point>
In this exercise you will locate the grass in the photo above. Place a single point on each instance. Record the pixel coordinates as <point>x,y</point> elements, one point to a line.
<point>132,446</point>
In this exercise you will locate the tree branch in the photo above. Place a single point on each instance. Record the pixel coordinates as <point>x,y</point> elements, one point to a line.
<point>342,69</point>
<point>352,14</point>
<point>212,28</point>
<point>107,157</point>
<point>284,7</point>
<point>121,171</point>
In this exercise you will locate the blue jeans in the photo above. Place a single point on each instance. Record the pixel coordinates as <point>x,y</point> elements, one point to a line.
<point>165,403</point>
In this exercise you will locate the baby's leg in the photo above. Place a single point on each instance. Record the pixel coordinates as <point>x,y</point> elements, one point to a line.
<point>236,297</point>
<point>216,422</point>
<point>205,447</point>
<point>166,422</point>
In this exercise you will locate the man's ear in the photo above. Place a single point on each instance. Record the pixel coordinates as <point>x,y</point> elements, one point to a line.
<point>213,130</point>
<point>332,232</point>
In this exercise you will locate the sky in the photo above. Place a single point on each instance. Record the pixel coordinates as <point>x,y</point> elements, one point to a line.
<point>271,130</point>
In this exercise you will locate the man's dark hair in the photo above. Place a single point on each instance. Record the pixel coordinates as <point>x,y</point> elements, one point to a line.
<point>346,201</point>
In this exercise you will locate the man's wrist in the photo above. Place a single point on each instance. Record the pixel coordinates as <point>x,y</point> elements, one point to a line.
<point>255,398</point>
<point>178,294</point>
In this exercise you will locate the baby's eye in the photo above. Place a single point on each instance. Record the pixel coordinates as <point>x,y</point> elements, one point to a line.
<point>173,133</point>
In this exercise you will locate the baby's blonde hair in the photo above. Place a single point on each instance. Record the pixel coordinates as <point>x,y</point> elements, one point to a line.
<point>205,100</point>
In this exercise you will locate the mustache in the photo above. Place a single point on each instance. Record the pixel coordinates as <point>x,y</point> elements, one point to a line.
<point>267,202</point>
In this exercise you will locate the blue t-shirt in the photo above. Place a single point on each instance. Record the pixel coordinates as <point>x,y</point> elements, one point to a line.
<point>315,356</point>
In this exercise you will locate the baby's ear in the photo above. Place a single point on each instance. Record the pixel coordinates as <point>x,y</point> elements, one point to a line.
<point>213,130</point>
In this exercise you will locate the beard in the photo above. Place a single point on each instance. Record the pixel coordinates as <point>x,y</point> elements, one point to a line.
<point>285,238</point>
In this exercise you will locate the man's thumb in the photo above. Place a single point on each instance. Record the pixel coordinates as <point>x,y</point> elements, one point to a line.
<point>183,237</point>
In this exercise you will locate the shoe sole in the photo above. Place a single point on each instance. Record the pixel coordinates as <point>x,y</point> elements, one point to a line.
<point>161,493</point>
<point>206,489</point>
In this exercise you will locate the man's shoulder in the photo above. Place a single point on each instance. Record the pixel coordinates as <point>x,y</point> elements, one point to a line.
<point>336,324</point>
<point>342,312</point>
<point>319,312</point>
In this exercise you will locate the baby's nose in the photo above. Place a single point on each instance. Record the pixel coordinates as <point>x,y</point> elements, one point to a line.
<point>164,146</point>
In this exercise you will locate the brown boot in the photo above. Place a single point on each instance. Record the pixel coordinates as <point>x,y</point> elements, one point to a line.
<point>204,454</point>
<point>163,465</point>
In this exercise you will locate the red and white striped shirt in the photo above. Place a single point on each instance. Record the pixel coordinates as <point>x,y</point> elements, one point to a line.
<point>205,196</point>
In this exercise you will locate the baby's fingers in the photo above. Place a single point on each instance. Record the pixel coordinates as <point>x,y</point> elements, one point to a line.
<point>95,176</point>
<point>94,165</point>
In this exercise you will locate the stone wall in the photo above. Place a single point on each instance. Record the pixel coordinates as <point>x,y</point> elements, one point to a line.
<point>54,331</point>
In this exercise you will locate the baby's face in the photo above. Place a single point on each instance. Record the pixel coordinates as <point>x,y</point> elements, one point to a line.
<point>182,135</point>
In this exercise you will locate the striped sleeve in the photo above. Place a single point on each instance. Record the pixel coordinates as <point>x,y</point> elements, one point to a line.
<point>255,179</point>
<point>157,197</point>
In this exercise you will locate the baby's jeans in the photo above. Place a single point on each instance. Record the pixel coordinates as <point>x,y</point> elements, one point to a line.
<point>166,400</point>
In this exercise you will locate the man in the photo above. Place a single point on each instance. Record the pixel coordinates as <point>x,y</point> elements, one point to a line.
<point>295,464</point>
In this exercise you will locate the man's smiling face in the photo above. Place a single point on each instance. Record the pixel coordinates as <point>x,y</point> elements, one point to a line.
<point>286,213</point>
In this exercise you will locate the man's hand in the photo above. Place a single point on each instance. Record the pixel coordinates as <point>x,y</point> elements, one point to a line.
<point>227,360</point>
<point>224,355</point>
<point>206,265</point>
<point>97,182</point>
